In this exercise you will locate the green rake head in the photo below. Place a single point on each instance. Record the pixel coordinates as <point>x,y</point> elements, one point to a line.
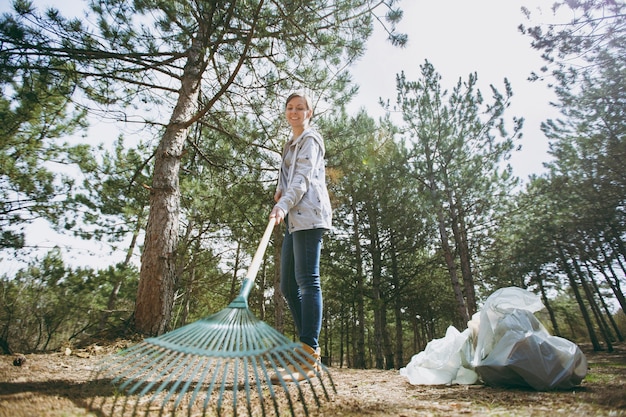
<point>223,362</point>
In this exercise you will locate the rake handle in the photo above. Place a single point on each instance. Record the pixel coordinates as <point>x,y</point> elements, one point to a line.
<point>253,269</point>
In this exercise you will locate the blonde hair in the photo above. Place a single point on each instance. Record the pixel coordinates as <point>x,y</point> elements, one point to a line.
<point>307,99</point>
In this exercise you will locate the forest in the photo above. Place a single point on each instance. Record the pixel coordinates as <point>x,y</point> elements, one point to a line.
<point>428,217</point>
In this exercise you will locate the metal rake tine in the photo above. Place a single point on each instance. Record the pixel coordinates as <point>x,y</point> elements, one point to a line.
<point>300,358</point>
<point>246,383</point>
<point>143,363</point>
<point>179,378</point>
<point>251,343</point>
<point>330,379</point>
<point>158,372</point>
<point>190,332</point>
<point>129,370</point>
<point>235,386</point>
<point>270,386</point>
<point>124,365</point>
<point>220,399</point>
<point>257,345</point>
<point>172,373</point>
<point>259,387</point>
<point>218,364</point>
<point>191,371</point>
<point>174,344</point>
<point>284,384</point>
<point>299,368</point>
<point>304,358</point>
<point>201,380</point>
<point>227,337</point>
<point>198,337</point>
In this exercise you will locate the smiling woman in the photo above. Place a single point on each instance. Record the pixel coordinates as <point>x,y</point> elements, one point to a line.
<point>302,201</point>
<point>299,111</point>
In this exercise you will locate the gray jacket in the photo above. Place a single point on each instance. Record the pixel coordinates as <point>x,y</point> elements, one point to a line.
<point>302,182</point>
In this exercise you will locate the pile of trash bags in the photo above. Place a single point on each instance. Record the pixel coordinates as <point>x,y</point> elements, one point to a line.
<point>503,345</point>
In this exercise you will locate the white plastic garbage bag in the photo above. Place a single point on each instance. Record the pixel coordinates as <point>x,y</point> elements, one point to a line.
<point>526,355</point>
<point>440,362</point>
<point>500,303</point>
<point>505,345</point>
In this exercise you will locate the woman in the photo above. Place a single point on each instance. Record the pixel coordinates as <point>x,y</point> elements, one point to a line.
<point>302,202</point>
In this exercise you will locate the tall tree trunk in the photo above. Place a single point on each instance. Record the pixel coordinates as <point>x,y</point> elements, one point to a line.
<point>415,325</point>
<point>327,337</point>
<point>388,352</point>
<point>187,296</point>
<point>614,284</point>
<point>581,305</point>
<point>594,306</point>
<point>605,307</point>
<point>343,334</point>
<point>448,254</point>
<point>359,330</point>
<point>377,298</point>
<point>544,298</point>
<point>459,232</point>
<point>397,305</point>
<point>621,249</point>
<point>348,329</point>
<point>466,264</point>
<point>155,294</point>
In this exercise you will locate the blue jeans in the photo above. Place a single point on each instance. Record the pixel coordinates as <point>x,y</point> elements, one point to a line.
<point>300,282</point>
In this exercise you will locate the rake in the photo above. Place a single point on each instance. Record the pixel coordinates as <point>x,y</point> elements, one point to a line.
<point>228,357</point>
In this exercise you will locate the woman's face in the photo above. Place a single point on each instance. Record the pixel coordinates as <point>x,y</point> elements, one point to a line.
<point>297,113</point>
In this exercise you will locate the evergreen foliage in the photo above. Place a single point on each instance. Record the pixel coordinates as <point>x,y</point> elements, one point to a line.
<point>428,217</point>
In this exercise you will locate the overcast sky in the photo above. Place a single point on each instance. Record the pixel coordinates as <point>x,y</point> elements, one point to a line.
<point>460,37</point>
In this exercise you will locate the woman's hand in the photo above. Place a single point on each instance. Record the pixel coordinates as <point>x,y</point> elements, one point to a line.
<point>278,214</point>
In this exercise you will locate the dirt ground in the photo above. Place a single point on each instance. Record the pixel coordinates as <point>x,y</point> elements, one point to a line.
<point>65,384</point>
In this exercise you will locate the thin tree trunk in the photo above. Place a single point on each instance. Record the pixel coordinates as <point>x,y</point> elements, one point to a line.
<point>583,309</point>
<point>390,362</point>
<point>359,361</point>
<point>459,232</point>
<point>621,249</point>
<point>594,306</point>
<point>605,307</point>
<point>466,267</point>
<point>614,284</point>
<point>118,283</point>
<point>378,302</point>
<point>452,271</point>
<point>546,303</point>
<point>189,284</point>
<point>342,333</point>
<point>397,305</point>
